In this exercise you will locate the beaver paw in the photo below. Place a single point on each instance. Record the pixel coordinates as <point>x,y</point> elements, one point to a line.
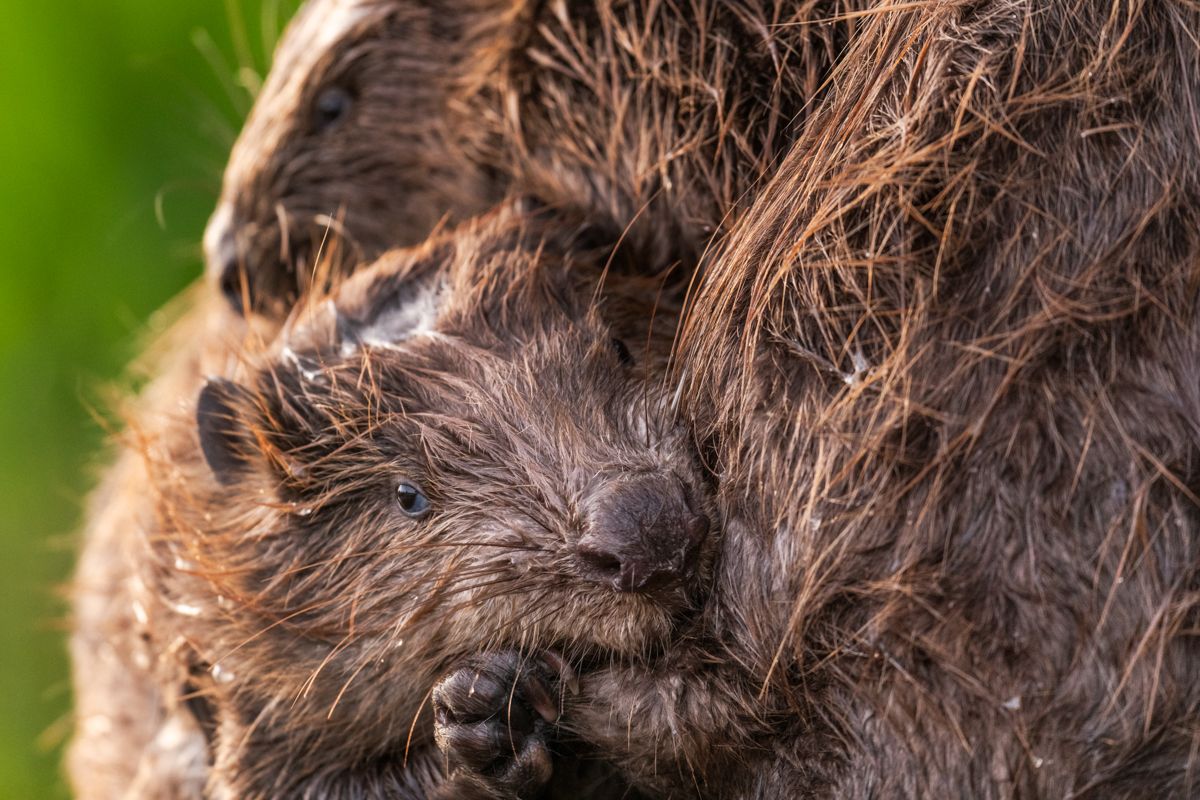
<point>494,716</point>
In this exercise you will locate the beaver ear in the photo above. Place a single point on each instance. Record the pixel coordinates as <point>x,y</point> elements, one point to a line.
<point>225,438</point>
<point>395,311</point>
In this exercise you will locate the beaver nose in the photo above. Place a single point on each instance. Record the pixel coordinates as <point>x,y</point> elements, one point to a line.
<point>224,260</point>
<point>642,536</point>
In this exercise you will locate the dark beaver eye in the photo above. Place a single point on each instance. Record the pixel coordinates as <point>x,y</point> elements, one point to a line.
<point>412,500</point>
<point>332,106</point>
<point>623,354</point>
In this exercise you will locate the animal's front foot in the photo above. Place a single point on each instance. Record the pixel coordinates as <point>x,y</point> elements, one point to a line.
<point>494,718</point>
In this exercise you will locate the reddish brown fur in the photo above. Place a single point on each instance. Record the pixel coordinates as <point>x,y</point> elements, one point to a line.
<point>125,712</point>
<point>659,117</point>
<point>323,614</point>
<point>947,373</point>
<point>730,73</point>
<point>654,117</point>
<point>382,176</point>
<point>133,735</point>
<point>949,367</point>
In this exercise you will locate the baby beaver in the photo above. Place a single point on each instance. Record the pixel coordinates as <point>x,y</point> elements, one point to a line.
<point>465,450</point>
<point>351,148</point>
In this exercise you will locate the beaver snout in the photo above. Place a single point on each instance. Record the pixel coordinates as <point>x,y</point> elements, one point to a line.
<point>224,259</point>
<point>245,268</point>
<point>642,536</point>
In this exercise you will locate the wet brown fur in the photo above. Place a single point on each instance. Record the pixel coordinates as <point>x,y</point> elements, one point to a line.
<point>657,118</point>
<point>319,616</point>
<point>948,367</point>
<point>945,366</point>
<point>134,735</point>
<point>382,177</point>
<point>728,72</point>
<point>661,118</point>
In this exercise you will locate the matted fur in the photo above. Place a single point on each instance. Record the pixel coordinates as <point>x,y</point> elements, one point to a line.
<point>317,615</point>
<point>381,177</point>
<point>132,738</point>
<point>945,367</point>
<point>654,117</point>
<point>284,182</point>
<point>735,75</point>
<point>948,367</point>
<point>659,117</point>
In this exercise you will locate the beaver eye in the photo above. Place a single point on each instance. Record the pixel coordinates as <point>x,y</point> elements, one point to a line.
<point>412,500</point>
<point>332,106</point>
<point>623,354</point>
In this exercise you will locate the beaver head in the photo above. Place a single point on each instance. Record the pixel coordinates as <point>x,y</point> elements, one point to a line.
<point>464,448</point>
<point>346,151</point>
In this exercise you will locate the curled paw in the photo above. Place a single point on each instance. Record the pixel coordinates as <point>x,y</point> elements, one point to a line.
<point>494,718</point>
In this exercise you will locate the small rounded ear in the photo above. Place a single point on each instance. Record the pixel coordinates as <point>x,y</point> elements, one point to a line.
<point>226,441</point>
<point>395,309</point>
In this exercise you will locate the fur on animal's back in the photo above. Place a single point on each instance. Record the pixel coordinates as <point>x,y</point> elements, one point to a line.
<point>950,364</point>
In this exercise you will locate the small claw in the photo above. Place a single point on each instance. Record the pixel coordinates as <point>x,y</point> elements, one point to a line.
<point>565,673</point>
<point>540,699</point>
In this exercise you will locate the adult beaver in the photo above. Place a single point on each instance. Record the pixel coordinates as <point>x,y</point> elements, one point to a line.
<point>469,449</point>
<point>948,369</point>
<point>381,117</point>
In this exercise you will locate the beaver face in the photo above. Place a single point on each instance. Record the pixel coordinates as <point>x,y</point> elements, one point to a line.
<point>462,448</point>
<point>344,153</point>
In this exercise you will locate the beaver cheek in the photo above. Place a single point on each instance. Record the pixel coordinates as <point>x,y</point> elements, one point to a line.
<point>643,536</point>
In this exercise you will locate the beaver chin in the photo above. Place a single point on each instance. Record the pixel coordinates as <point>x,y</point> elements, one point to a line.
<point>621,625</point>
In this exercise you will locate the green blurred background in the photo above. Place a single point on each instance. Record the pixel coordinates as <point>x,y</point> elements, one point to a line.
<point>115,119</point>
